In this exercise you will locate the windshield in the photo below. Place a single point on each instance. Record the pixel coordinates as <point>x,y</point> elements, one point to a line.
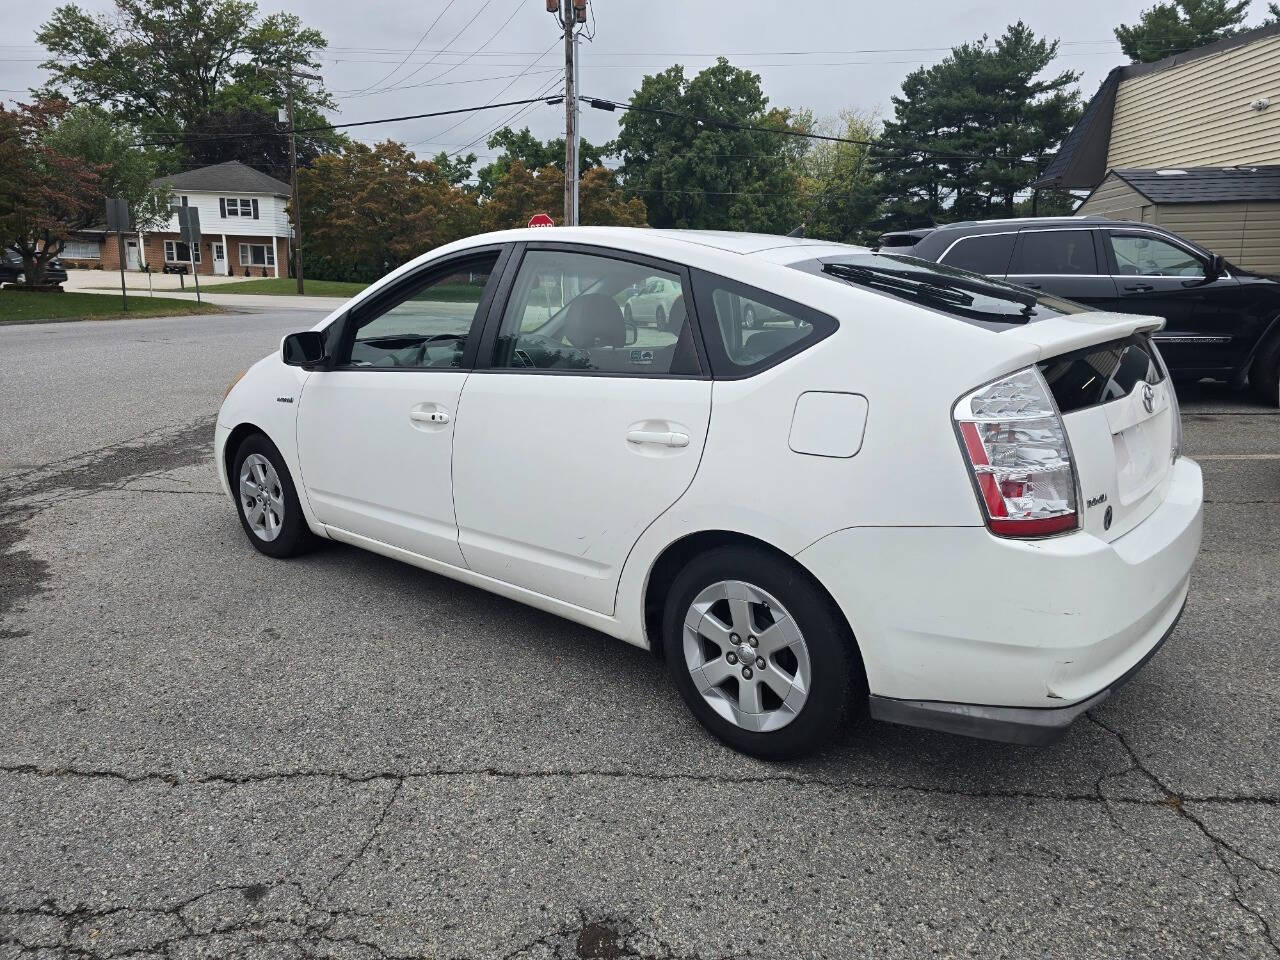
<point>968,296</point>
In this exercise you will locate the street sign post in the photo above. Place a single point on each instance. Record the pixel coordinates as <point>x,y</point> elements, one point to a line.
<point>541,220</point>
<point>189,228</point>
<point>118,220</point>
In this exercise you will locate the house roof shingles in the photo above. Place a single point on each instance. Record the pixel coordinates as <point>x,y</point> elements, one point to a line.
<point>231,177</point>
<point>1205,184</point>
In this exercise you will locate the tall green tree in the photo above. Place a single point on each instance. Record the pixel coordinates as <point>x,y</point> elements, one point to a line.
<point>188,69</point>
<point>533,154</point>
<point>969,134</point>
<point>697,174</point>
<point>1180,25</point>
<point>840,189</point>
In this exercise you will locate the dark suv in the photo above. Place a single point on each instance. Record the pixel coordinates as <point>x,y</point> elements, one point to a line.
<point>11,268</point>
<point>1222,322</point>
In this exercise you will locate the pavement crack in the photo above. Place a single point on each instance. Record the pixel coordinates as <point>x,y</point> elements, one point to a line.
<point>396,787</point>
<point>1221,847</point>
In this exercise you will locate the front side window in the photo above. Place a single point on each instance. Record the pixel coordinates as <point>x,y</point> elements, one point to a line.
<point>1056,253</point>
<point>989,255</point>
<point>423,325</point>
<point>581,312</point>
<point>1141,255</point>
<point>257,255</point>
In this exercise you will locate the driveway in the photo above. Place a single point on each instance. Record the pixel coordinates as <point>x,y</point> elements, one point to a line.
<point>207,753</point>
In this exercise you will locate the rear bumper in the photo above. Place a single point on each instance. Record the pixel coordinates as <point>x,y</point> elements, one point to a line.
<point>1012,640</point>
<point>1030,726</point>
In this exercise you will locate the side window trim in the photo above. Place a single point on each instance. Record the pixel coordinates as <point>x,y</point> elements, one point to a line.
<point>483,361</point>
<point>722,367</point>
<point>1013,249</point>
<point>421,279</point>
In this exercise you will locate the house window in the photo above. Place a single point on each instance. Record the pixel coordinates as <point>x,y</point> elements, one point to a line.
<point>238,207</point>
<point>257,255</point>
<point>175,251</point>
<point>82,250</point>
<point>176,201</point>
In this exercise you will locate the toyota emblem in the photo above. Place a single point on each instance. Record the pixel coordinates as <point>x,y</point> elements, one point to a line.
<point>1148,398</point>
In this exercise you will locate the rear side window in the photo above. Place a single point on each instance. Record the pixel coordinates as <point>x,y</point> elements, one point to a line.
<point>1056,253</point>
<point>989,255</point>
<point>753,329</point>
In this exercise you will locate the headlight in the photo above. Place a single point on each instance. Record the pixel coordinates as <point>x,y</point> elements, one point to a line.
<point>231,386</point>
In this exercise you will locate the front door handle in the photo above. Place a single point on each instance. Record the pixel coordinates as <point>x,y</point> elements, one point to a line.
<point>1140,287</point>
<point>662,438</point>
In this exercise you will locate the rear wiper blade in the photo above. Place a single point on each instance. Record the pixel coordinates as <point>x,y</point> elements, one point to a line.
<point>934,283</point>
<point>897,284</point>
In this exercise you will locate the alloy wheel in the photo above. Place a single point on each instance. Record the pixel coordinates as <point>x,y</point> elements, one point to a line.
<point>747,656</point>
<point>261,497</point>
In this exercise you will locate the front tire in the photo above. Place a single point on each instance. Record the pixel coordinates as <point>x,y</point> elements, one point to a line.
<point>759,653</point>
<point>660,318</point>
<point>266,500</point>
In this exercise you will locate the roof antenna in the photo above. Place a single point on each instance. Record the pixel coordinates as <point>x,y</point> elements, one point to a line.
<point>797,232</point>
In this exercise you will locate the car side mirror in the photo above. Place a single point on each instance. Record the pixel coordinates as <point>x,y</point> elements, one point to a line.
<point>303,349</point>
<point>1215,268</point>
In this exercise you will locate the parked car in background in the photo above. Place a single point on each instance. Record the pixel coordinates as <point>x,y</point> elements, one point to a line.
<point>960,499</point>
<point>11,269</point>
<point>652,302</point>
<point>1223,322</point>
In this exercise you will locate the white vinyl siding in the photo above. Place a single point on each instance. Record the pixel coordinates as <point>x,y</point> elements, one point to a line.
<point>1198,114</point>
<point>271,222</point>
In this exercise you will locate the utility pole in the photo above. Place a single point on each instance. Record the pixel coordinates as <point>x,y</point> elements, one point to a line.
<point>570,13</point>
<point>296,246</point>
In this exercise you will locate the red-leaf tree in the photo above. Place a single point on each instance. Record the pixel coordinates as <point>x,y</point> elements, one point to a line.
<point>45,195</point>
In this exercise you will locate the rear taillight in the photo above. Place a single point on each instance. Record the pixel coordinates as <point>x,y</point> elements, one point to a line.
<point>1016,446</point>
<point>1174,410</point>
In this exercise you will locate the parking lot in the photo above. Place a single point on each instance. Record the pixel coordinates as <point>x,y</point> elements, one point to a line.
<point>207,753</point>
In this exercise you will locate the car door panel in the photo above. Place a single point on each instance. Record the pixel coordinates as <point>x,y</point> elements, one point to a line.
<point>572,437</point>
<point>554,480</point>
<point>375,433</point>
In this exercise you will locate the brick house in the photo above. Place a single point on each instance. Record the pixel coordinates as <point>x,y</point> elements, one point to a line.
<point>244,225</point>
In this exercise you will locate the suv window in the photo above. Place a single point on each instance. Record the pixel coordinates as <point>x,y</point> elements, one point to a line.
<point>1056,253</point>
<point>582,312</point>
<point>989,254</point>
<point>424,323</point>
<point>1139,254</point>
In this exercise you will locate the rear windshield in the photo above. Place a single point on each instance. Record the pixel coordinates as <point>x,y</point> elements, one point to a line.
<point>1101,373</point>
<point>970,297</point>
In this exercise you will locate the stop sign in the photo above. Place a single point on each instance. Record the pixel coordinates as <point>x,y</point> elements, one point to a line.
<point>541,220</point>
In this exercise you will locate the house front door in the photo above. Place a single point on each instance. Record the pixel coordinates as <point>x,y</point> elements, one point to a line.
<point>132,260</point>
<point>219,259</point>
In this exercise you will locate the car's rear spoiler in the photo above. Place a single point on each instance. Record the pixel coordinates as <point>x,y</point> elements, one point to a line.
<point>1072,332</point>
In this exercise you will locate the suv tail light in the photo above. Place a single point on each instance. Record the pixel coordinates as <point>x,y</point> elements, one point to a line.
<point>1016,446</point>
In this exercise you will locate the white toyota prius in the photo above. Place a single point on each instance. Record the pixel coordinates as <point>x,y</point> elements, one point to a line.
<point>831,476</point>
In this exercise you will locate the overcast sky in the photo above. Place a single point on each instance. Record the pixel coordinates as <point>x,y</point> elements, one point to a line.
<point>822,55</point>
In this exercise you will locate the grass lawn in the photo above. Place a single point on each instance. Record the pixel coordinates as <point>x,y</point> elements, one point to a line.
<point>287,286</point>
<point>42,307</point>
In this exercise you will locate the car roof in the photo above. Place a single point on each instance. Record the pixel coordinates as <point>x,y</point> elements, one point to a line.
<point>728,241</point>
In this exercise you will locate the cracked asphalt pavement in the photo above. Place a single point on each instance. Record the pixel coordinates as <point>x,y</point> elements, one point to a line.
<point>207,753</point>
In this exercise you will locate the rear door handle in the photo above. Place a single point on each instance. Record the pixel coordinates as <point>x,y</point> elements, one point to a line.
<point>1140,287</point>
<point>665,439</point>
<point>429,416</point>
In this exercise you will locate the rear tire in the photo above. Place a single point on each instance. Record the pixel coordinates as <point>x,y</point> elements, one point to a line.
<point>1264,373</point>
<point>735,604</point>
<point>266,500</point>
<point>660,318</point>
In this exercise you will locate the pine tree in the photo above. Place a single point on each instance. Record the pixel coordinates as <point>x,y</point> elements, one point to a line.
<point>971,133</point>
<point>1180,25</point>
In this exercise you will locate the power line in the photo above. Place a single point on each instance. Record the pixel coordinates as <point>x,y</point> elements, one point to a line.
<point>474,17</point>
<point>415,46</point>
<point>180,137</point>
